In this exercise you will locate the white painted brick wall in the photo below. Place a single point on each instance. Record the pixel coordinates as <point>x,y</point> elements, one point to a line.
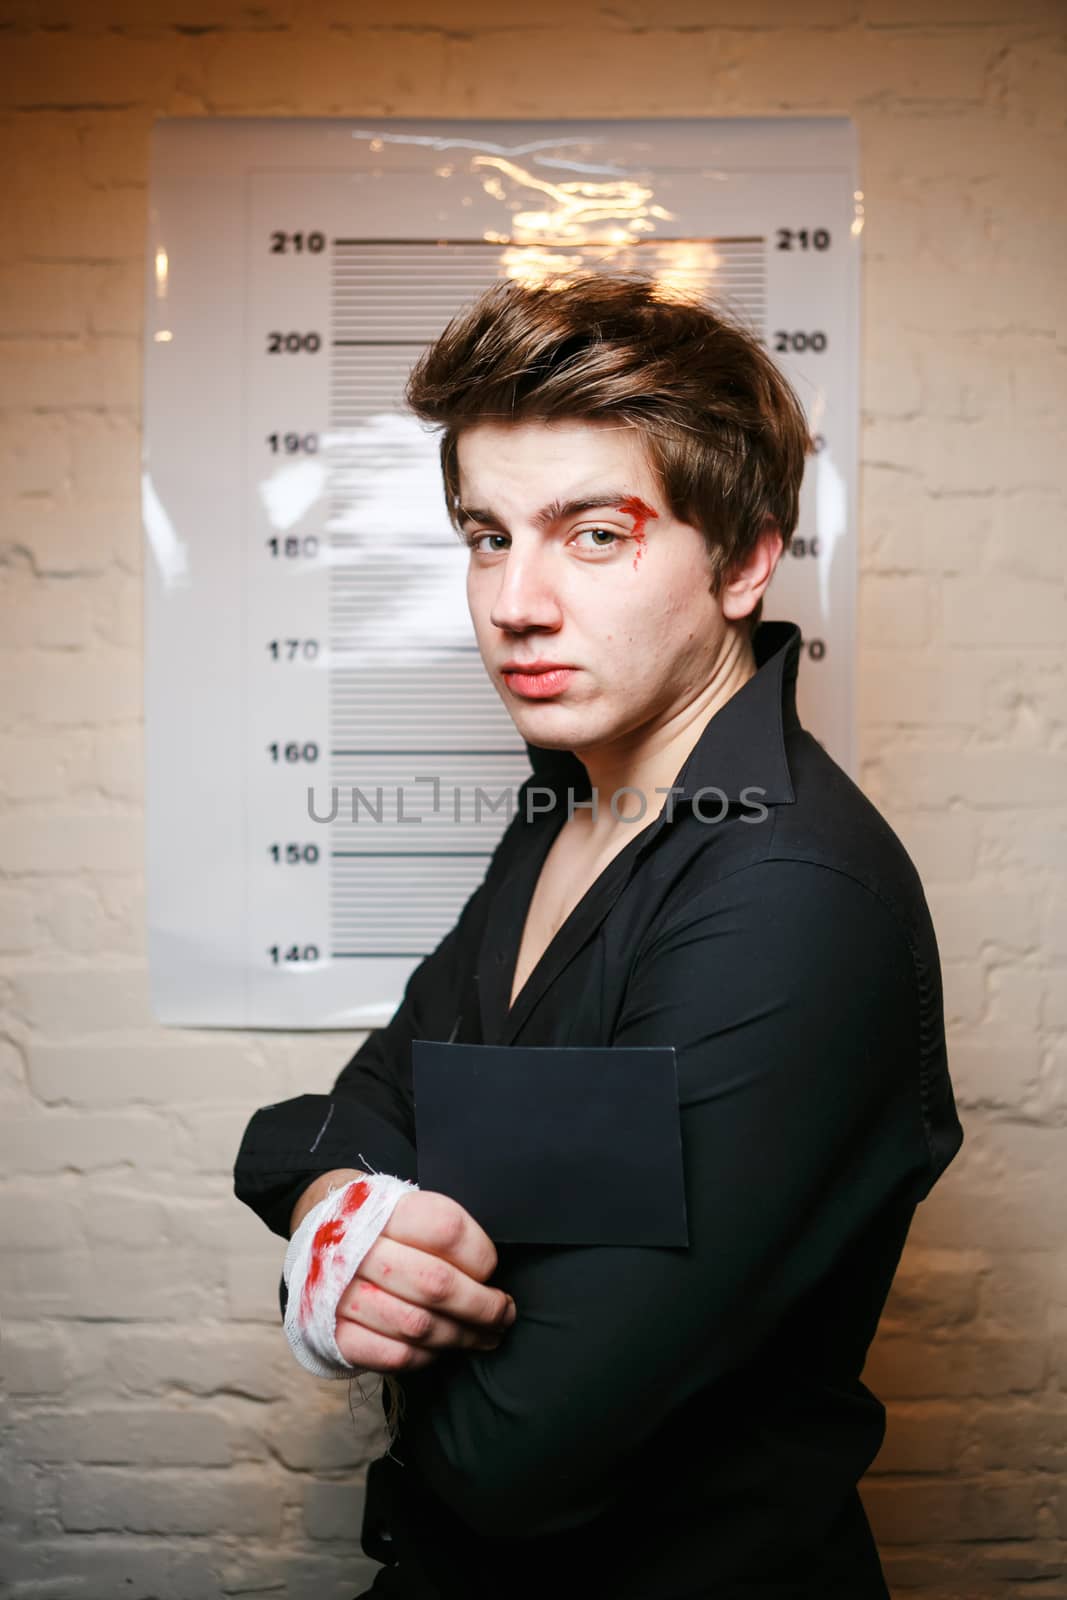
<point>159,1440</point>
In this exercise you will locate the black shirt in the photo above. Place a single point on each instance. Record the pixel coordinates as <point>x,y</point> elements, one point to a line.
<point>667,1424</point>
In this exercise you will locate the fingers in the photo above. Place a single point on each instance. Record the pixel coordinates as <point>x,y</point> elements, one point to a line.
<point>375,1352</point>
<point>368,1315</point>
<point>442,1227</point>
<point>421,1289</point>
<point>430,1285</point>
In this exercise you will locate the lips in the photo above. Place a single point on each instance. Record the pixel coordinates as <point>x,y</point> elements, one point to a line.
<point>536,680</point>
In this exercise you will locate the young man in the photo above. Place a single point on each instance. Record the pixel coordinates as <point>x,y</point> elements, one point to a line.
<point>633,1422</point>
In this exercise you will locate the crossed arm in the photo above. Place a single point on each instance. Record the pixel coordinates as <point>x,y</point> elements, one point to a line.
<point>789,995</point>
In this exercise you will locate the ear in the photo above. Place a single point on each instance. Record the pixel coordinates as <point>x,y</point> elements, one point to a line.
<point>743,590</point>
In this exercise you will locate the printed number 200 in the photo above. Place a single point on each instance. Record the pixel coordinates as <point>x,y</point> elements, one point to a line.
<point>799,342</point>
<point>290,343</point>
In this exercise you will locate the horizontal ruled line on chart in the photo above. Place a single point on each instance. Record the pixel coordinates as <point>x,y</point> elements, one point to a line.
<point>377,300</point>
<point>364,536</point>
<point>347,607</point>
<point>418,663</point>
<point>377,566</point>
<point>391,921</point>
<point>406,700</point>
<point>448,861</point>
<point>505,764</point>
<point>340,650</point>
<point>453,256</point>
<point>358,349</point>
<point>360,583</point>
<point>498,751</point>
<point>344,282</point>
<point>468,853</point>
<point>549,244</point>
<point>367,639</point>
<point>406,921</point>
<point>451,252</point>
<point>488,700</point>
<point>348,711</point>
<point>750,280</point>
<point>397,875</point>
<point>737,269</point>
<point>450,269</point>
<point>391,916</point>
<point>371,956</point>
<point>461,675</point>
<point>432,903</point>
<point>376,343</point>
<point>433,855</point>
<point>433,898</point>
<point>740,273</point>
<point>357,581</point>
<point>404,925</point>
<point>388,382</point>
<point>345,539</point>
<point>349,601</point>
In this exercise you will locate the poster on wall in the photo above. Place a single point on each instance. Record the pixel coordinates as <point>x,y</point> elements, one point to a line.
<point>328,769</point>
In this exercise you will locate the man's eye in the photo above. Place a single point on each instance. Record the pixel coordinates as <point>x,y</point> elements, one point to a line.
<point>474,540</point>
<point>600,538</point>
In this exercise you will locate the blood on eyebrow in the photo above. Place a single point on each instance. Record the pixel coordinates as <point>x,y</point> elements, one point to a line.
<point>635,507</point>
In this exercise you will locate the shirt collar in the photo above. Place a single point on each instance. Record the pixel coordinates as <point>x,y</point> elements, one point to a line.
<point>743,745</point>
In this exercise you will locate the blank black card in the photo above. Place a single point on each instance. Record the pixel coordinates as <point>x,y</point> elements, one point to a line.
<point>547,1145</point>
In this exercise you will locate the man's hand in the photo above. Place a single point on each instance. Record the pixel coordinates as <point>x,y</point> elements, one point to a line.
<point>421,1286</point>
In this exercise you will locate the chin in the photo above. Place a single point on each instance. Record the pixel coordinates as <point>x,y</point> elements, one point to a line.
<point>560,733</point>
<point>544,737</point>
<point>547,728</point>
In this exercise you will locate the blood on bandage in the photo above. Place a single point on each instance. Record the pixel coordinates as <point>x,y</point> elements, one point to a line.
<point>354,1197</point>
<point>324,1255</point>
<point>327,1235</point>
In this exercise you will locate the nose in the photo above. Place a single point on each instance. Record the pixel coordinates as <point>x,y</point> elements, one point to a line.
<point>526,598</point>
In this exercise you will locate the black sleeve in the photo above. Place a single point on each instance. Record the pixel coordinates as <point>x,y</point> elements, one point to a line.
<point>367,1120</point>
<point>790,996</point>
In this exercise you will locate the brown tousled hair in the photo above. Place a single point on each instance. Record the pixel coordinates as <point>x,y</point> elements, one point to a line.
<point>723,429</point>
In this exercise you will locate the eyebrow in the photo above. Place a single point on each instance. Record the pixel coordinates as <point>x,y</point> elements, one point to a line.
<point>555,511</point>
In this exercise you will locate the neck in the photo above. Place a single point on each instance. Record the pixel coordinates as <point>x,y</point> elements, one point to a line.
<point>651,757</point>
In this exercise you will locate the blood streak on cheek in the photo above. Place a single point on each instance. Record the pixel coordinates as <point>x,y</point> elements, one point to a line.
<point>634,507</point>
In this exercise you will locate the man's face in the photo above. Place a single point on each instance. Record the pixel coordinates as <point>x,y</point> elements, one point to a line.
<point>615,591</point>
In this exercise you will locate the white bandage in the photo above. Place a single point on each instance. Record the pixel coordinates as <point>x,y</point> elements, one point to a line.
<point>321,1261</point>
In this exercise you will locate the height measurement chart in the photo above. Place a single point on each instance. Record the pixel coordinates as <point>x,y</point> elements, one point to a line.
<point>328,768</point>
